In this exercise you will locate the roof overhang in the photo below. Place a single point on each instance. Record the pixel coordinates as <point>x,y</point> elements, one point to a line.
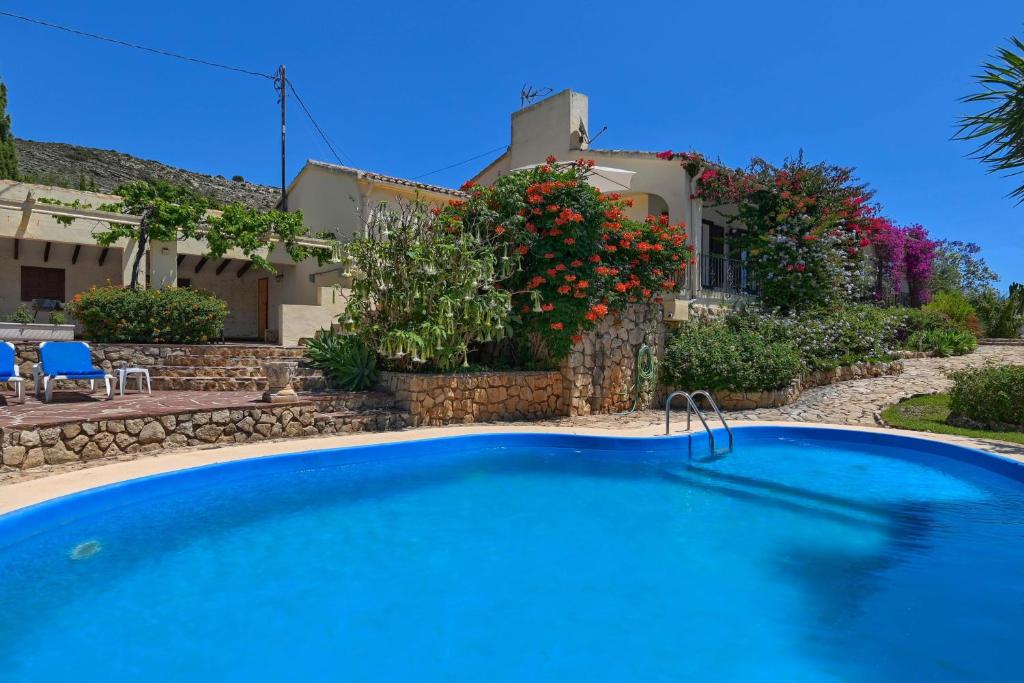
<point>604,178</point>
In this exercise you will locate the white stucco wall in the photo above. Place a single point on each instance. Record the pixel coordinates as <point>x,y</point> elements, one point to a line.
<point>77,278</point>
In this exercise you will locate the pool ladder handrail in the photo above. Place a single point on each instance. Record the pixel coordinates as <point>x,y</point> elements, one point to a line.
<point>691,407</point>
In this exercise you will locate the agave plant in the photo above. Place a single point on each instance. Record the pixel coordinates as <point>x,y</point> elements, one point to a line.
<point>1000,129</point>
<point>344,359</point>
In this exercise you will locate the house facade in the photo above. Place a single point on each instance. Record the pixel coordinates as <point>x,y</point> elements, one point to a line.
<point>559,126</point>
<point>49,252</point>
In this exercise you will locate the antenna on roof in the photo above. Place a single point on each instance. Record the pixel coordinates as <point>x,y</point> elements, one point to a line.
<point>529,94</point>
<point>599,134</point>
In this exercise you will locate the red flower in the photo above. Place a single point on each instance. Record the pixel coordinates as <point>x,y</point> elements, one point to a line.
<point>570,241</point>
<point>547,307</point>
<point>522,250</point>
<point>576,264</point>
<point>551,159</point>
<point>667,154</point>
<point>500,230</point>
<point>557,326</point>
<point>564,289</point>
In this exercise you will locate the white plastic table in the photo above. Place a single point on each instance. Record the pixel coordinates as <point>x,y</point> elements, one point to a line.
<point>141,373</point>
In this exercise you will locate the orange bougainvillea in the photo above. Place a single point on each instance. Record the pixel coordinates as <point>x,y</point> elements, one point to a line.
<point>581,255</point>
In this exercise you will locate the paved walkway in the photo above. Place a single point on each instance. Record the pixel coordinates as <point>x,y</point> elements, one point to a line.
<point>857,402</point>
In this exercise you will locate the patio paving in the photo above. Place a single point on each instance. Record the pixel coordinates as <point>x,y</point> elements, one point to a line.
<point>77,406</point>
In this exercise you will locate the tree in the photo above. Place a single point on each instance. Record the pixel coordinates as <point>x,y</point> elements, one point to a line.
<point>958,268</point>
<point>1000,128</point>
<point>170,212</point>
<point>8,153</point>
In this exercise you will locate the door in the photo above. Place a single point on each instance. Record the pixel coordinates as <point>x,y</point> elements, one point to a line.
<point>263,306</point>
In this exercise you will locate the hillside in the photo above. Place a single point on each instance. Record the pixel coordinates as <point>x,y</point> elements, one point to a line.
<point>102,170</point>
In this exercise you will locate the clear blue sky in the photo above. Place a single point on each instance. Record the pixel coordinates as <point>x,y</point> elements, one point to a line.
<point>405,88</point>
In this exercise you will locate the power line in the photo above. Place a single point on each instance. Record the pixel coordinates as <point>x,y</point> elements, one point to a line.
<point>123,43</point>
<point>309,115</point>
<point>464,161</point>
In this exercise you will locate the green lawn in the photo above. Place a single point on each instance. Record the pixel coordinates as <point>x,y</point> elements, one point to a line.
<point>929,413</point>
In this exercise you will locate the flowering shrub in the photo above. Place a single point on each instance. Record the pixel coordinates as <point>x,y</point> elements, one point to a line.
<point>425,292</point>
<point>170,315</point>
<point>578,257</point>
<point>806,226</point>
<point>829,339</point>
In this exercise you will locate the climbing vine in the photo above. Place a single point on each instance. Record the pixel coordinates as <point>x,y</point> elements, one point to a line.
<point>171,212</point>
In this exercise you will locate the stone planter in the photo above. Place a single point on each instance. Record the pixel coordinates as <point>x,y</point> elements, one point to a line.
<point>279,381</point>
<point>36,332</point>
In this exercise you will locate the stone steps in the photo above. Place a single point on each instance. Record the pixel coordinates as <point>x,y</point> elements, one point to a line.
<point>207,383</point>
<point>366,420</point>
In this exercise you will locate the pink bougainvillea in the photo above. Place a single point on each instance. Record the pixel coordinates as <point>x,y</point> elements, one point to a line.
<point>903,253</point>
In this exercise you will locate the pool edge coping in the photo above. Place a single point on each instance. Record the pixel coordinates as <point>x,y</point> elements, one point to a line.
<point>34,491</point>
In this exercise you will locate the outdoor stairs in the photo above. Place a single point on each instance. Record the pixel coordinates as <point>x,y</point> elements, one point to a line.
<point>365,411</point>
<point>226,368</point>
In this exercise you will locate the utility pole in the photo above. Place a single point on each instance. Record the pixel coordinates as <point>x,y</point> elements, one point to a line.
<point>282,85</point>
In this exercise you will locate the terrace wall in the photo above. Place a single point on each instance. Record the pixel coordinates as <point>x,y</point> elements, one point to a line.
<point>436,399</point>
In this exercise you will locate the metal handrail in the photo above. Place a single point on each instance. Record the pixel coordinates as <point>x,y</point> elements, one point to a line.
<point>714,406</point>
<point>689,404</point>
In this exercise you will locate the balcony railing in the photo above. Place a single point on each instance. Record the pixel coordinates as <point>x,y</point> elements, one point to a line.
<point>728,275</point>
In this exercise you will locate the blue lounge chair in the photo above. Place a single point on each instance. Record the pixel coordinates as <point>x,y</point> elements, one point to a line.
<point>9,370</point>
<point>70,361</point>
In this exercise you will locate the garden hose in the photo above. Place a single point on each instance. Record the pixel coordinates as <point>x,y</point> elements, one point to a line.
<point>646,372</point>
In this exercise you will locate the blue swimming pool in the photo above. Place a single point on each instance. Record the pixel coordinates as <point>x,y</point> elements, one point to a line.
<point>804,555</point>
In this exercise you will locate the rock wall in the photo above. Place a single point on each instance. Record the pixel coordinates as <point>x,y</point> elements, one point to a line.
<point>185,367</point>
<point>600,372</point>
<point>436,399</point>
<point>33,446</point>
<point>774,398</point>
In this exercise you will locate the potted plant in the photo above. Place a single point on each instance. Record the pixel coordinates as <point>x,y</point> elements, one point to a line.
<point>21,325</point>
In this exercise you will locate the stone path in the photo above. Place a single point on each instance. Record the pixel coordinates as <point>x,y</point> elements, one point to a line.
<point>856,402</point>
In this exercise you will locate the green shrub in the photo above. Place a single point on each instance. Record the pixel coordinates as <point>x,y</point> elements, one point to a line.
<point>171,315</point>
<point>827,339</point>
<point>953,305</point>
<point>989,395</point>
<point>343,359</point>
<point>1002,316</point>
<point>58,318</point>
<point>720,355</point>
<point>943,342</point>
<point>22,314</point>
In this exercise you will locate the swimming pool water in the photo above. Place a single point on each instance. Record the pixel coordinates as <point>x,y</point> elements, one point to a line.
<point>798,557</point>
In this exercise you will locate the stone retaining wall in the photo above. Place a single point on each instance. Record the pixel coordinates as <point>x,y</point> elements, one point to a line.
<point>434,399</point>
<point>188,367</point>
<point>600,371</point>
<point>774,398</point>
<point>37,445</point>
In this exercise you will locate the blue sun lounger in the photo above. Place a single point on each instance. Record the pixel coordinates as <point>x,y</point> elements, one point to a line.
<point>71,361</point>
<point>9,370</point>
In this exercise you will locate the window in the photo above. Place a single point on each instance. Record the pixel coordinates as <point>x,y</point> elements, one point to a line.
<point>42,283</point>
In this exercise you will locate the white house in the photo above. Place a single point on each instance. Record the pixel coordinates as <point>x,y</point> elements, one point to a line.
<point>559,126</point>
<point>44,258</point>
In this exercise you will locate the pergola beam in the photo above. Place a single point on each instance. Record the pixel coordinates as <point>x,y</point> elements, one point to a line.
<point>244,268</point>
<point>199,266</point>
<point>223,265</point>
<point>103,255</point>
<point>46,253</point>
<point>74,254</point>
